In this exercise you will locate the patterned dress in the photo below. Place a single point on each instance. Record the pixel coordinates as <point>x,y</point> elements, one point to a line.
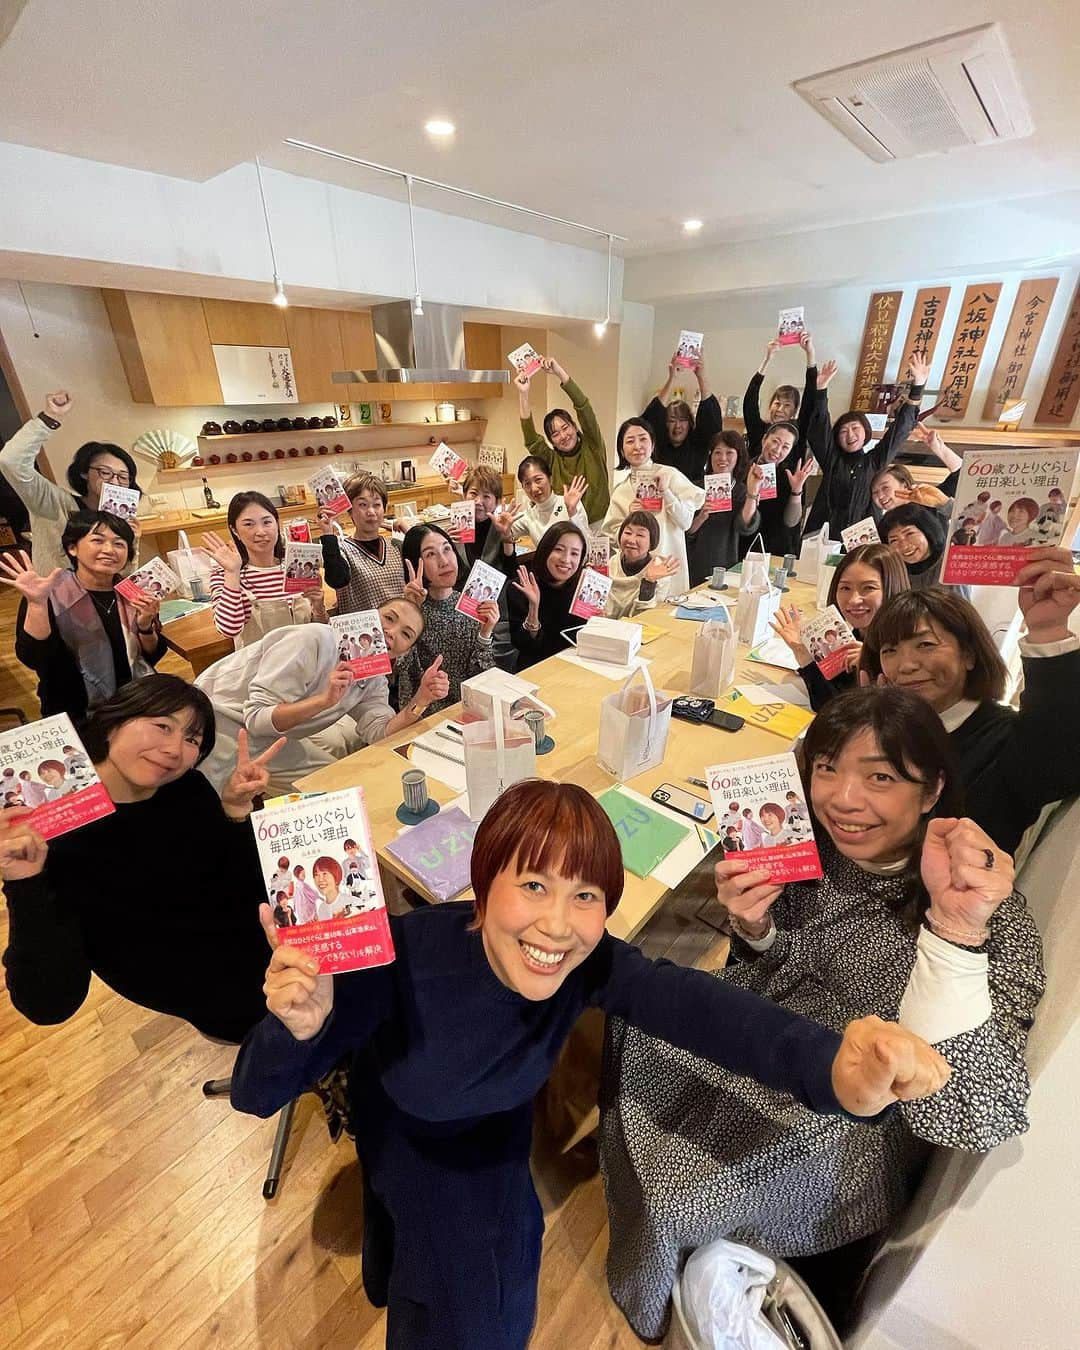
<point>691,1153</point>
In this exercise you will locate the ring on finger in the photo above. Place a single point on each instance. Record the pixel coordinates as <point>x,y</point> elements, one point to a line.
<point>988,854</point>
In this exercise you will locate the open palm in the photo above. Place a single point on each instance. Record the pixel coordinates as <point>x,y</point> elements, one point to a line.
<point>17,570</point>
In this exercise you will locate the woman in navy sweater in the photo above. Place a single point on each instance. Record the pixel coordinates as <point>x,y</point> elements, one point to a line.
<point>451,1043</point>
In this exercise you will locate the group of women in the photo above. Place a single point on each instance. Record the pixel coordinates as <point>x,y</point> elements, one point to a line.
<point>791,1099</point>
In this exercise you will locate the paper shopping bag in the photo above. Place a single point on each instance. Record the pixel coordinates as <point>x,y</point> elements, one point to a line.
<point>826,572</point>
<point>634,726</point>
<point>712,669</point>
<point>499,751</point>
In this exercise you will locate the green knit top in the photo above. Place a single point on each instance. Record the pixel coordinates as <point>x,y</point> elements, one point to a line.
<point>588,458</point>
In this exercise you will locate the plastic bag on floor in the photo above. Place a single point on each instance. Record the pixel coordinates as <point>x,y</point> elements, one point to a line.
<point>721,1292</point>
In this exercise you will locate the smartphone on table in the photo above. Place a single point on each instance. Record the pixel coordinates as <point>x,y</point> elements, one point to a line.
<point>726,721</point>
<point>678,799</point>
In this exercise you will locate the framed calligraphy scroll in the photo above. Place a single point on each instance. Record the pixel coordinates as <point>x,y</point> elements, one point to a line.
<point>881,317</point>
<point>1062,391</point>
<point>1021,342</point>
<point>925,326</point>
<point>968,345</point>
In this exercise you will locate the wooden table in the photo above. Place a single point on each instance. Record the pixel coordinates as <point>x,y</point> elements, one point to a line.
<point>575,695</point>
<point>195,638</point>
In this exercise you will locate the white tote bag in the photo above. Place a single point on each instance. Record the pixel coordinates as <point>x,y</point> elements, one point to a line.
<point>634,726</point>
<point>499,751</point>
<point>713,667</point>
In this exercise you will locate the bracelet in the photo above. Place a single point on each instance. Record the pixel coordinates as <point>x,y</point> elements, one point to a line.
<point>959,934</point>
<point>743,932</point>
<point>145,632</point>
<point>531,627</point>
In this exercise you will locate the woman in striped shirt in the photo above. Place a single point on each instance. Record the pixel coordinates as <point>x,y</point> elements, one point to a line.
<point>250,566</point>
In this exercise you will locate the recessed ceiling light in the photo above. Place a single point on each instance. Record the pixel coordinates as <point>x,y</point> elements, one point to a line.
<point>692,226</point>
<point>438,126</point>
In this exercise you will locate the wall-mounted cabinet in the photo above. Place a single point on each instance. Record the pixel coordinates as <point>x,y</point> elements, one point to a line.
<point>166,346</point>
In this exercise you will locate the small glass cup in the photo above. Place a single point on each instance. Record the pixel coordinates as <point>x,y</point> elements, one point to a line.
<point>534,718</point>
<point>414,791</point>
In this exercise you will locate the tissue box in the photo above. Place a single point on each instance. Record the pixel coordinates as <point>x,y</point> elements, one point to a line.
<point>612,640</point>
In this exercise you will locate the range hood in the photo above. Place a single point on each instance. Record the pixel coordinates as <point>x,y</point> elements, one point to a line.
<point>426,348</point>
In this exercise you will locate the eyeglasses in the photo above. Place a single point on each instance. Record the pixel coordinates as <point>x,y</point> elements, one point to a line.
<point>111,475</point>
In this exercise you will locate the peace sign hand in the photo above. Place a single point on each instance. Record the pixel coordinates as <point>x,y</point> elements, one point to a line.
<point>414,585</point>
<point>249,779</point>
<point>22,849</point>
<point>17,570</point>
<point>298,996</point>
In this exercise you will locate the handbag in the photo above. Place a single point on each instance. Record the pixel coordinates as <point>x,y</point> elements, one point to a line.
<point>712,668</point>
<point>270,613</point>
<point>499,751</point>
<point>634,726</point>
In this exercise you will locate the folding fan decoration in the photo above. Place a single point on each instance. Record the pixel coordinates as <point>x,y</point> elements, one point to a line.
<point>168,449</point>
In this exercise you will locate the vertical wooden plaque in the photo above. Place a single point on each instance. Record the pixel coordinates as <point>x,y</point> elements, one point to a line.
<point>968,345</point>
<point>923,332</point>
<point>1062,392</point>
<point>1021,341</point>
<point>881,317</point>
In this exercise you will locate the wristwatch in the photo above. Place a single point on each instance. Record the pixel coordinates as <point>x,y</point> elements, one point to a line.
<point>50,422</point>
<point>416,709</point>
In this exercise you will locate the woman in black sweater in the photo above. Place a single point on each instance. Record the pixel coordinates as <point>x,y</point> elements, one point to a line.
<point>681,439</point>
<point>846,465</point>
<point>104,899</point>
<point>785,404</point>
<point>917,536</point>
<point>713,537</point>
<point>80,637</point>
<point>540,598</point>
<point>1013,761</point>
<point>862,582</point>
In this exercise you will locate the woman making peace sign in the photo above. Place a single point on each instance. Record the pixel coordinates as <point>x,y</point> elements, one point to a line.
<point>134,928</point>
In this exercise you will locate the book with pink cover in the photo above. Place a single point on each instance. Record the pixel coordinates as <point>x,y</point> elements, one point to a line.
<point>302,566</point>
<point>483,583</point>
<point>361,643</point>
<point>688,351</point>
<point>599,555</point>
<point>122,502</point>
<point>717,492</point>
<point>45,767</point>
<point>762,817</point>
<point>330,494</point>
<point>299,531</point>
<point>768,482</point>
<point>648,489</point>
<point>322,880</point>
<point>153,581</point>
<point>862,532</point>
<point>462,524</point>
<point>591,596</point>
<point>826,635</point>
<point>790,326</point>
<point>1007,502</point>
<point>525,359</point>
<point>438,852</point>
<point>448,463</point>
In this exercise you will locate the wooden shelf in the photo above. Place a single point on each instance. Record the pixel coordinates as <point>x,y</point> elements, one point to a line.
<point>324,433</point>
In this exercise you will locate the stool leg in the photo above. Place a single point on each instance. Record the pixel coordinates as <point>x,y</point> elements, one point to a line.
<point>277,1153</point>
<point>217,1087</point>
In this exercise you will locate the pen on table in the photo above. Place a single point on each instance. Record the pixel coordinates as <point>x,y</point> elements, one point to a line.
<point>701,838</point>
<point>698,782</point>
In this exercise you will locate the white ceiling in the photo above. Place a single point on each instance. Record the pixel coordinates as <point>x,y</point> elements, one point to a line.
<point>630,116</point>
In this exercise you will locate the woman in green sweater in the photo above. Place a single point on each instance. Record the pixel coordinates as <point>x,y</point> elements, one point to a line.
<point>569,450</point>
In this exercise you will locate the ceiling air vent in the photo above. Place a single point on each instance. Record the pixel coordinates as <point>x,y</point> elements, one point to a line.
<point>923,100</point>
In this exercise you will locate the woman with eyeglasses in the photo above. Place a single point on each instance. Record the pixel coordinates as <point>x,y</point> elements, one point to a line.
<point>95,466</point>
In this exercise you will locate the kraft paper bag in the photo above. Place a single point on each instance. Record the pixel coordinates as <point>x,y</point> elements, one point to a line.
<point>499,751</point>
<point>634,726</point>
<point>712,669</point>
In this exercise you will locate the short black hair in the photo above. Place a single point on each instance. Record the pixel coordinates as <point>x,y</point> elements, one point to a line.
<point>413,542</point>
<point>930,523</point>
<point>645,520</point>
<point>734,440</point>
<point>85,456</point>
<point>152,696</point>
<point>568,417</point>
<point>532,461</point>
<point>82,523</point>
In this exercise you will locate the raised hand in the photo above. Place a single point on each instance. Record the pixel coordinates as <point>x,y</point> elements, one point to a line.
<point>919,367</point>
<point>522,382</point>
<point>797,477</point>
<point>58,405</point>
<point>17,570</point>
<point>879,1063</point>
<point>434,683</point>
<point>504,517</point>
<point>806,342</point>
<point>299,997</point>
<point>1049,592</point>
<point>226,555</point>
<point>746,895</point>
<point>967,877</point>
<point>414,584</point>
<point>22,849</point>
<point>573,493</point>
<point>249,779</point>
<point>146,611</point>
<point>337,686</point>
<point>660,567</point>
<point>553,368</point>
<point>771,348</point>
<point>487,611</point>
<point>755,476</point>
<point>825,374</point>
<point>527,584</point>
<point>786,627</point>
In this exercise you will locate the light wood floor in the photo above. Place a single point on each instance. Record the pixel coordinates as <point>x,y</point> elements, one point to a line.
<point>131,1209</point>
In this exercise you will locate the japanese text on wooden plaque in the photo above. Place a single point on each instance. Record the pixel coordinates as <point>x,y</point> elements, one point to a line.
<point>877,338</point>
<point>968,345</point>
<point>1062,392</point>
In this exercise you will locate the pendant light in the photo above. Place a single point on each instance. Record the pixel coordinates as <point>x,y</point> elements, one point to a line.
<point>279,297</point>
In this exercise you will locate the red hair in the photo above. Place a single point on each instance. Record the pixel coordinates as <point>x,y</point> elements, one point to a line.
<point>330,865</point>
<point>548,827</point>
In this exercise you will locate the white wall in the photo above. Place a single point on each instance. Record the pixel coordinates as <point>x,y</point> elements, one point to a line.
<point>328,238</point>
<point>737,327</point>
<point>635,361</point>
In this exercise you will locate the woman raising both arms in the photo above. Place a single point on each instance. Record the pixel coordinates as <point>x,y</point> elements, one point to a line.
<point>786,405</point>
<point>570,451</point>
<point>682,440</point>
<point>450,1044</point>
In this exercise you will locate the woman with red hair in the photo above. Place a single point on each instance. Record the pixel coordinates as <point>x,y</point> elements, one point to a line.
<point>450,1044</point>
